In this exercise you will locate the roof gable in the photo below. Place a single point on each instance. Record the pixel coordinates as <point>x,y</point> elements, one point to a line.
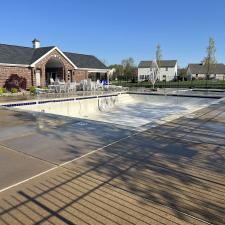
<point>43,52</point>
<point>39,52</point>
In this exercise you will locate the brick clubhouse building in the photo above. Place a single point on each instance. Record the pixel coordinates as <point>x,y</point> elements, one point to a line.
<point>36,66</point>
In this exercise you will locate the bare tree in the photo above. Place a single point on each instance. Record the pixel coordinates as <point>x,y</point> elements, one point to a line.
<point>158,53</point>
<point>104,61</point>
<point>155,73</point>
<point>210,59</point>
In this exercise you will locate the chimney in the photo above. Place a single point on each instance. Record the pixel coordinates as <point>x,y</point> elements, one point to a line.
<point>36,43</point>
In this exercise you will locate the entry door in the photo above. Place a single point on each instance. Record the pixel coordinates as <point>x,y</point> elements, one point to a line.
<point>38,78</point>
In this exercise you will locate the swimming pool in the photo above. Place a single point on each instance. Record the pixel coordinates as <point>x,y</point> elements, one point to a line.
<point>129,110</point>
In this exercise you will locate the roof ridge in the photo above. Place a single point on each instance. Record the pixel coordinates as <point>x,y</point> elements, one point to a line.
<point>79,54</point>
<point>50,46</point>
<point>159,60</point>
<point>201,64</point>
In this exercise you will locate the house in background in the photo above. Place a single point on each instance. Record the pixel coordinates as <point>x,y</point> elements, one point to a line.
<point>168,70</point>
<point>199,72</point>
<point>36,66</point>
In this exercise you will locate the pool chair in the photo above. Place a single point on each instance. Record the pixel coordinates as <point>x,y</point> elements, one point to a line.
<point>90,85</point>
<point>62,88</point>
<point>105,85</point>
<point>52,81</point>
<point>83,84</point>
<point>59,86</point>
<point>71,87</point>
<point>99,85</point>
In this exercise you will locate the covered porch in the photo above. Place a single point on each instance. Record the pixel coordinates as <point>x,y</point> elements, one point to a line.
<point>100,75</point>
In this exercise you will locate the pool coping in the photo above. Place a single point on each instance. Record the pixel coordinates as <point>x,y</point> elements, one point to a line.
<point>55,100</point>
<point>177,95</point>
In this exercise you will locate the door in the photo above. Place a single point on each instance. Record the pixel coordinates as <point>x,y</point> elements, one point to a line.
<point>38,78</point>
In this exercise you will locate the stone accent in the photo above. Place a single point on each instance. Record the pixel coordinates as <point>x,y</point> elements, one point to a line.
<point>7,71</point>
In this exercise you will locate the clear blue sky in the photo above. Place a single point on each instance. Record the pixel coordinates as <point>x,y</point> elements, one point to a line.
<point>117,29</point>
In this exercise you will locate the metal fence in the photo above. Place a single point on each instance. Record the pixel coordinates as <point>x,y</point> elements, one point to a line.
<point>204,84</point>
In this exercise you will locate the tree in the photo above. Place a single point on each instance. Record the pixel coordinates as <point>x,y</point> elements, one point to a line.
<point>158,53</point>
<point>182,74</point>
<point>128,67</point>
<point>210,59</point>
<point>155,73</point>
<point>118,71</point>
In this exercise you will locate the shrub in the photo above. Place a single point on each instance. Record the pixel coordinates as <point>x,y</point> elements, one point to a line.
<point>14,90</point>
<point>2,90</point>
<point>32,90</point>
<point>15,81</point>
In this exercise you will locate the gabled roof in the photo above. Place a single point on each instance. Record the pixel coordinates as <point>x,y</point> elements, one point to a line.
<point>218,68</point>
<point>11,54</point>
<point>162,63</point>
<point>85,61</point>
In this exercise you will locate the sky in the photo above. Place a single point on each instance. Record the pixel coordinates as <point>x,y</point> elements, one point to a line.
<point>114,30</point>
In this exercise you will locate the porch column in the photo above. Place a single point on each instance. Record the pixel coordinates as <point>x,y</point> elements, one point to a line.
<point>107,75</point>
<point>43,77</point>
<point>33,80</point>
<point>66,75</point>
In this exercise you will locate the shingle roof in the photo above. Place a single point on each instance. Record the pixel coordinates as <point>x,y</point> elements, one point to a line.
<point>12,54</point>
<point>163,63</point>
<point>85,61</point>
<point>39,52</point>
<point>201,69</point>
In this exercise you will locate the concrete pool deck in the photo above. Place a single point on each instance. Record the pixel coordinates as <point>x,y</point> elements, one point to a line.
<point>59,170</point>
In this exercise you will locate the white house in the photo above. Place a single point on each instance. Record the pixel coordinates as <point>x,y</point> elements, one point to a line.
<point>199,71</point>
<point>167,70</point>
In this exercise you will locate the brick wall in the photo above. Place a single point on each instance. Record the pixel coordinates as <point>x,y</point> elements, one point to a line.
<point>6,72</point>
<point>80,75</point>
<point>55,55</point>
